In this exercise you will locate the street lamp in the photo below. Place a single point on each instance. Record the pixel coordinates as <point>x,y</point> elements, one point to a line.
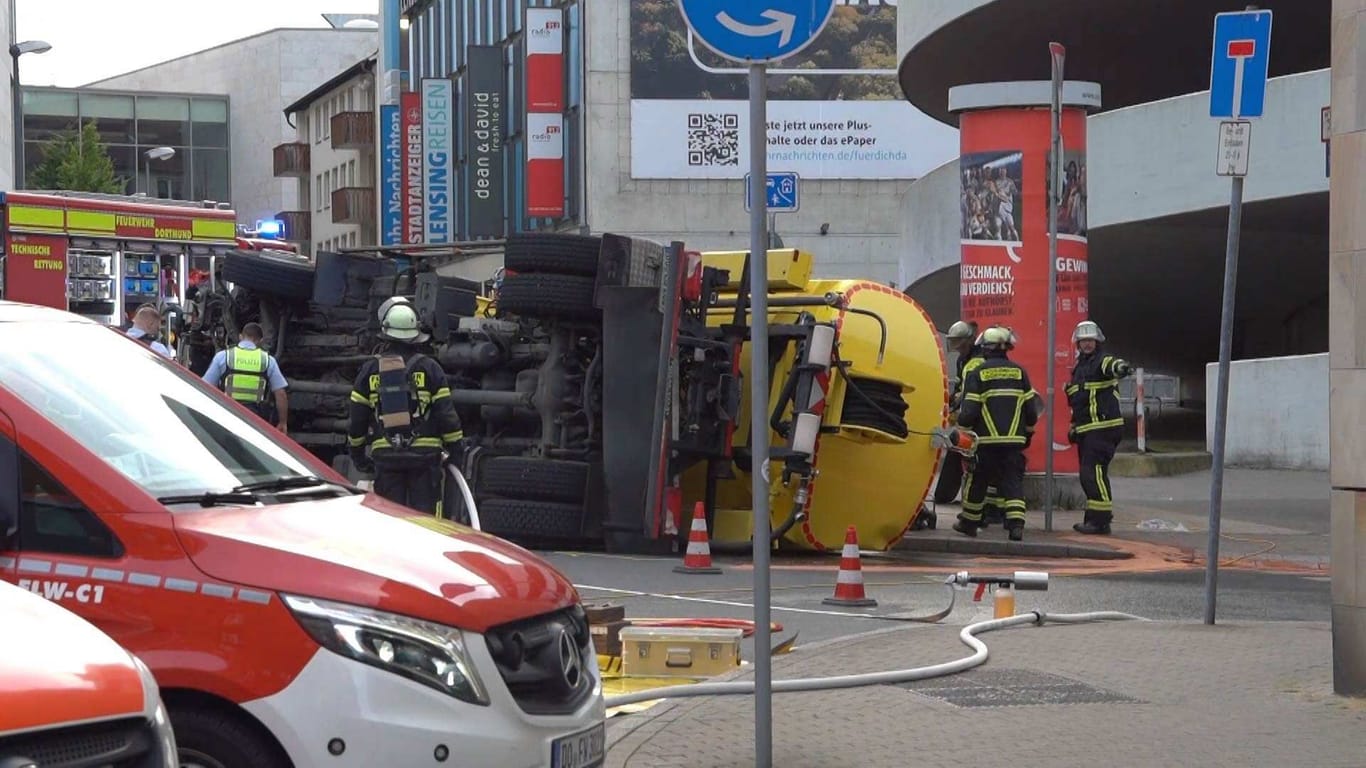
<point>156,153</point>
<point>15,51</point>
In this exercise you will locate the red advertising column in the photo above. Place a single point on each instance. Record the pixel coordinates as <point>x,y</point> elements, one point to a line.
<point>1004,135</point>
<point>545,148</point>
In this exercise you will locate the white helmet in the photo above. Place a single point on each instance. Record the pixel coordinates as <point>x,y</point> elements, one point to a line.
<point>998,337</point>
<point>1087,329</point>
<point>399,323</point>
<point>961,330</point>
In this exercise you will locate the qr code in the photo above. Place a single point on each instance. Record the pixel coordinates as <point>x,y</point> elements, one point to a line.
<point>713,139</point>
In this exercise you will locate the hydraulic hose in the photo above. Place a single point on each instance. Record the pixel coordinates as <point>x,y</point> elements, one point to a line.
<point>892,677</point>
<point>470,508</point>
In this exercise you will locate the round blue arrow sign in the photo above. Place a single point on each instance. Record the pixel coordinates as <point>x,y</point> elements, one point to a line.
<point>756,31</point>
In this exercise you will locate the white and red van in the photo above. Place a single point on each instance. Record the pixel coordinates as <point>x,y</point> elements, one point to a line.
<point>69,692</point>
<point>290,619</point>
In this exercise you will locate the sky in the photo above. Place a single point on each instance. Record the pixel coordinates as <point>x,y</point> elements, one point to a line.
<point>115,37</point>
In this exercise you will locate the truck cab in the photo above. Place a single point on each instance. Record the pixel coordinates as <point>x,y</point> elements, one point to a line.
<point>256,583</point>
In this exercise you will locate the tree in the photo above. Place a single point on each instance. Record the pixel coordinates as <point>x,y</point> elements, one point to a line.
<point>77,161</point>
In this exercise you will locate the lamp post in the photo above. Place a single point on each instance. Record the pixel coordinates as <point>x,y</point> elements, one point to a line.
<point>156,153</point>
<point>17,106</point>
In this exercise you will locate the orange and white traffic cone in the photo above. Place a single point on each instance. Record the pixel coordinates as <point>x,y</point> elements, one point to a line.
<point>698,557</point>
<point>849,581</point>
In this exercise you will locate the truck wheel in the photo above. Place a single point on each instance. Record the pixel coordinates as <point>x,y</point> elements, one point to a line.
<point>542,295</point>
<point>285,276</point>
<point>209,739</point>
<point>534,479</point>
<point>557,253</point>
<point>519,519</point>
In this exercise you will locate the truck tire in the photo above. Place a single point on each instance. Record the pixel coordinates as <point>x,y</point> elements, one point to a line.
<point>534,479</point>
<point>549,296</point>
<point>521,519</point>
<point>208,738</point>
<point>282,276</point>
<point>556,253</point>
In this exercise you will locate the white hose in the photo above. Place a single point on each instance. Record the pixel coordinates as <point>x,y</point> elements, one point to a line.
<point>968,636</point>
<point>468,496</point>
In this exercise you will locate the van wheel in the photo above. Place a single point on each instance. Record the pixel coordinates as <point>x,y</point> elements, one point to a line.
<point>209,739</point>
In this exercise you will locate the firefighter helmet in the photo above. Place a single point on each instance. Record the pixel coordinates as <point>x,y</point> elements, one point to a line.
<point>1087,329</point>
<point>961,330</point>
<point>399,323</point>
<point>998,337</point>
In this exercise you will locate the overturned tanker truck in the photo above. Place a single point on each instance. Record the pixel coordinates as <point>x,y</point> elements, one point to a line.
<point>600,382</point>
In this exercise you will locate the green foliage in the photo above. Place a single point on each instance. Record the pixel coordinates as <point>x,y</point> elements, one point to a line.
<point>77,161</point>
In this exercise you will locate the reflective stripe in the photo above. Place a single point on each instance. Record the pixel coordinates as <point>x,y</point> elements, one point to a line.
<point>107,574</point>
<point>451,437</point>
<point>34,566</point>
<point>139,579</point>
<point>182,585</point>
<point>443,392</point>
<point>246,378</point>
<point>66,569</point>
<point>359,399</point>
<point>356,442</point>
<point>1097,425</point>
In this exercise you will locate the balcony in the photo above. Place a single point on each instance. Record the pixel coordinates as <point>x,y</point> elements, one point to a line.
<point>298,226</point>
<point>291,160</point>
<point>353,130</point>
<point>353,205</point>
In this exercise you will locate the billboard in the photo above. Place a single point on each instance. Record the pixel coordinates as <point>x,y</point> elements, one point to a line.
<point>391,175</point>
<point>438,158</point>
<point>413,208</point>
<point>545,112</point>
<point>485,95</point>
<point>545,60</point>
<point>545,165</point>
<point>835,109</point>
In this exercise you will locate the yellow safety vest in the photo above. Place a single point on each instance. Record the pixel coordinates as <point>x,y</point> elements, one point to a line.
<point>246,381</point>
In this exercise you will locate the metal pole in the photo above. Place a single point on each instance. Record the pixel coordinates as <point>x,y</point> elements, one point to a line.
<point>1216,491</point>
<point>1055,155</point>
<point>1140,411</point>
<point>18,107</point>
<point>758,409</point>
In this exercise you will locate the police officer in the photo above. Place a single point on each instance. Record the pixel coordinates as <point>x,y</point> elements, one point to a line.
<point>961,337</point>
<point>401,406</point>
<point>246,373</point>
<point>1001,406</point>
<point>146,329</point>
<point>1097,422</point>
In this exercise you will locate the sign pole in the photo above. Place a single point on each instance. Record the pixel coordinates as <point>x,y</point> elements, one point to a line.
<point>758,374</point>
<point>1057,53</point>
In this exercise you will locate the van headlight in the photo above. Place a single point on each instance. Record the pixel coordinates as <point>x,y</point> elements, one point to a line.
<point>427,653</point>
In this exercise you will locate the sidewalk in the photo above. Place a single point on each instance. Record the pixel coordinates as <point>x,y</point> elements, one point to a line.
<point>1122,694</point>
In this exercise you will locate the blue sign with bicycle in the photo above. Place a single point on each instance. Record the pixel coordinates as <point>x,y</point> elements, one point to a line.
<point>756,31</point>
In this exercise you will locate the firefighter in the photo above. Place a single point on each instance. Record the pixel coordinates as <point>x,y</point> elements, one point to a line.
<point>247,373</point>
<point>1001,406</point>
<point>1097,422</point>
<point>401,405</point>
<point>962,340</point>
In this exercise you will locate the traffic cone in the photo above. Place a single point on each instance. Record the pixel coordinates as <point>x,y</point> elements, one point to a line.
<point>698,557</point>
<point>849,581</point>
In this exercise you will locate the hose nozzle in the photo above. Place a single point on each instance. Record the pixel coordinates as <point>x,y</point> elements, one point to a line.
<point>1034,581</point>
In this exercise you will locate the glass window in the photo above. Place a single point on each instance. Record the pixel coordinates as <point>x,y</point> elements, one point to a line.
<point>126,168</point>
<point>52,519</point>
<point>210,170</point>
<point>47,114</point>
<point>156,423</point>
<point>163,121</point>
<point>112,115</point>
<point>209,119</point>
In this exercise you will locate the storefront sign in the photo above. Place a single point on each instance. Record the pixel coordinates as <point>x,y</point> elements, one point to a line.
<point>391,183</point>
<point>414,228</point>
<point>545,60</point>
<point>1003,212</point>
<point>35,270</point>
<point>545,165</point>
<point>438,178</point>
<point>485,93</point>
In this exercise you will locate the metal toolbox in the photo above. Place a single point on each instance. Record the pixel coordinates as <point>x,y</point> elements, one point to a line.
<point>679,651</point>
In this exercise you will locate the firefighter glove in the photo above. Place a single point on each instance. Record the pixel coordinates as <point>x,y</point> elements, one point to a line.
<point>363,463</point>
<point>1122,369</point>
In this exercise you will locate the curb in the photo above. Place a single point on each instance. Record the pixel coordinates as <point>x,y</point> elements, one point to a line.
<point>965,546</point>
<point>1160,464</point>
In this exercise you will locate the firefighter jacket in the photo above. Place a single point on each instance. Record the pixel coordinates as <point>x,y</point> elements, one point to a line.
<point>966,362</point>
<point>433,425</point>
<point>1093,393</point>
<point>999,404</point>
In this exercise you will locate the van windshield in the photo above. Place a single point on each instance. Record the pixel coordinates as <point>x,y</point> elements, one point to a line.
<point>154,422</point>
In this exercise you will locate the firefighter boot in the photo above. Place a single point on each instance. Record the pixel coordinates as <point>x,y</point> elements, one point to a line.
<point>1016,529</point>
<point>966,527</point>
<point>1093,525</point>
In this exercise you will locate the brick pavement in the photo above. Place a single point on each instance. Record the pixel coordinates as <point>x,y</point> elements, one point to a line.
<point>1233,694</point>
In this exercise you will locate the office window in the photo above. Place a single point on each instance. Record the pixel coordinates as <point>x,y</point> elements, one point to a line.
<point>47,114</point>
<point>163,121</point>
<point>112,115</point>
<point>209,168</point>
<point>209,122</point>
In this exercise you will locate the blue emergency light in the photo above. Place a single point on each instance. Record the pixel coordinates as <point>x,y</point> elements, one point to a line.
<point>270,229</point>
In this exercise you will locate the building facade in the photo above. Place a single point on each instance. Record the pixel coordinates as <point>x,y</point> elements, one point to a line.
<point>130,124</point>
<point>258,75</point>
<point>8,130</point>
<point>333,158</point>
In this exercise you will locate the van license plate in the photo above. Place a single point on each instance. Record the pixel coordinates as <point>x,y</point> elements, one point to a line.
<point>585,749</point>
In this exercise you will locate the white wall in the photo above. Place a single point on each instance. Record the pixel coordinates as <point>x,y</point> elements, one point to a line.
<point>333,169</point>
<point>7,99</point>
<point>261,75</point>
<point>1277,412</point>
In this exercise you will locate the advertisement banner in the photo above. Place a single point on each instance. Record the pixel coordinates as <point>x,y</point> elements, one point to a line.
<point>835,109</point>
<point>485,94</point>
<point>35,270</point>
<point>438,158</point>
<point>391,175</point>
<point>545,165</point>
<point>1003,223</point>
<point>414,228</point>
<point>544,60</point>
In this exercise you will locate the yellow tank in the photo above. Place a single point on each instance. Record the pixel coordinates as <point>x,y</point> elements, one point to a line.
<point>867,474</point>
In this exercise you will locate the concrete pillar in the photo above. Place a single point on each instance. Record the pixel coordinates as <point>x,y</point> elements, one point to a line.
<point>1347,346</point>
<point>1004,135</point>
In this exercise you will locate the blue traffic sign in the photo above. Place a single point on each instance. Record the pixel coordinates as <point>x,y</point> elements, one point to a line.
<point>1238,70</point>
<point>783,192</point>
<point>756,31</point>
